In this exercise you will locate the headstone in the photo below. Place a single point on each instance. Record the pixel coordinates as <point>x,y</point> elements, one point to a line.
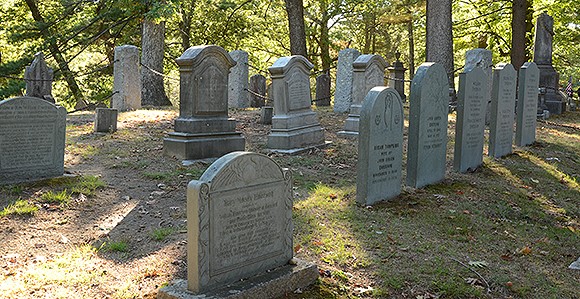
<point>528,81</point>
<point>481,58</point>
<point>266,114</point>
<point>503,101</point>
<point>106,120</point>
<point>369,72</point>
<point>203,128</point>
<point>428,110</point>
<point>238,80</point>
<point>32,135</point>
<point>380,146</point>
<point>126,79</point>
<point>322,90</point>
<point>39,77</point>
<point>239,225</point>
<point>397,77</point>
<point>258,90</point>
<point>470,123</point>
<point>549,77</point>
<point>343,87</point>
<point>295,126</point>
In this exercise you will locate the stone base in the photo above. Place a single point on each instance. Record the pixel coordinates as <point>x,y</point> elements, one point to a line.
<point>556,107</point>
<point>296,151</point>
<point>106,120</point>
<point>187,146</point>
<point>296,138</point>
<point>347,134</point>
<point>272,284</point>
<point>266,113</point>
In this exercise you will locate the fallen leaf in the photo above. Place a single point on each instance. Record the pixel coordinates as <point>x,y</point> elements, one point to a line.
<point>535,181</point>
<point>333,196</point>
<point>472,281</point>
<point>506,257</point>
<point>297,248</point>
<point>478,264</point>
<point>525,251</point>
<point>509,284</point>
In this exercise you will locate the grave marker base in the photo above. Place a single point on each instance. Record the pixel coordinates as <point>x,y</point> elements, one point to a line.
<point>188,146</point>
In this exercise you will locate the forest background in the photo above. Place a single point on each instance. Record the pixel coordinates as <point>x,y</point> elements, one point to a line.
<point>78,36</point>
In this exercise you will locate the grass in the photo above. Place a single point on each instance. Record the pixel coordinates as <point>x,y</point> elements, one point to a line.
<point>116,246</point>
<point>62,198</point>
<point>20,208</point>
<point>161,233</point>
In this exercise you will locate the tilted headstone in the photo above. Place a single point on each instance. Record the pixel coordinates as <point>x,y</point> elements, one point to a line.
<point>239,225</point>
<point>526,108</point>
<point>369,72</point>
<point>549,77</point>
<point>238,80</point>
<point>503,101</point>
<point>343,87</point>
<point>126,79</point>
<point>295,126</point>
<point>39,77</point>
<point>32,135</point>
<point>322,90</point>
<point>481,58</point>
<point>428,110</point>
<point>106,120</point>
<point>203,128</point>
<point>470,123</point>
<point>258,90</point>
<point>380,146</point>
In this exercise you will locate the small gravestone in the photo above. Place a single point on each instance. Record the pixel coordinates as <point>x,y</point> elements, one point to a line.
<point>322,90</point>
<point>203,128</point>
<point>343,89</point>
<point>295,126</point>
<point>238,80</point>
<point>239,229</point>
<point>470,124</point>
<point>369,72</point>
<point>526,110</point>
<point>32,135</point>
<point>427,148</point>
<point>126,79</point>
<point>39,77</point>
<point>481,58</point>
<point>266,114</point>
<point>257,90</point>
<point>106,120</point>
<point>503,100</point>
<point>380,146</point>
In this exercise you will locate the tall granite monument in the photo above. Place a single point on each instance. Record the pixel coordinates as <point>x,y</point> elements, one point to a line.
<point>126,79</point>
<point>549,78</point>
<point>203,128</point>
<point>238,81</point>
<point>343,86</point>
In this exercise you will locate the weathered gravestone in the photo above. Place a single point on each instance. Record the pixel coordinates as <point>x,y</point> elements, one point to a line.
<point>526,109</point>
<point>295,126</point>
<point>427,149</point>
<point>470,124</point>
<point>126,79</point>
<point>503,101</point>
<point>258,90</point>
<point>39,77</point>
<point>238,80</point>
<point>343,87</point>
<point>369,72</point>
<point>106,120</point>
<point>380,146</point>
<point>32,135</point>
<point>481,58</point>
<point>239,226</point>
<point>203,128</point>
<point>322,90</point>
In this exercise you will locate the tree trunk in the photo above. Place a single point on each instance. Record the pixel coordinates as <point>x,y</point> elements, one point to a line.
<point>152,42</point>
<point>324,38</point>
<point>297,31</point>
<point>185,23</point>
<point>57,55</point>
<point>518,51</point>
<point>411,50</point>
<point>439,43</point>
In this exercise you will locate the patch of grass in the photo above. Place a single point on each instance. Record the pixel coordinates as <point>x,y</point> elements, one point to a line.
<point>13,189</point>
<point>159,176</point>
<point>161,233</point>
<point>20,207</point>
<point>86,185</point>
<point>63,197</point>
<point>116,246</point>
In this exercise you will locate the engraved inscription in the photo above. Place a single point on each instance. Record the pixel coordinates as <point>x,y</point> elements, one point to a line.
<point>26,145</point>
<point>530,102</point>
<point>298,91</point>
<point>473,123</point>
<point>384,168</point>
<point>212,91</point>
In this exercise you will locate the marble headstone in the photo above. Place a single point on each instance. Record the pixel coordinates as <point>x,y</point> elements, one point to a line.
<point>295,126</point>
<point>238,80</point>
<point>344,73</point>
<point>470,125</point>
<point>32,135</point>
<point>503,101</point>
<point>322,90</point>
<point>258,88</point>
<point>126,79</point>
<point>368,72</point>
<point>428,109</point>
<point>526,109</point>
<point>481,58</point>
<point>39,77</point>
<point>380,146</point>
<point>203,128</point>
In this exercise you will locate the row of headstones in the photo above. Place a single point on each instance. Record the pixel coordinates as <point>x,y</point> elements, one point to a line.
<point>380,147</point>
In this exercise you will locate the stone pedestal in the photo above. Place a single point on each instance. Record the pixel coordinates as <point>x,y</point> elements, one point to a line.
<point>203,128</point>
<point>295,126</point>
<point>106,120</point>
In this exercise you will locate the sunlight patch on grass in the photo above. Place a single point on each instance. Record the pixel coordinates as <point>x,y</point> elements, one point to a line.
<point>63,197</point>
<point>20,207</point>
